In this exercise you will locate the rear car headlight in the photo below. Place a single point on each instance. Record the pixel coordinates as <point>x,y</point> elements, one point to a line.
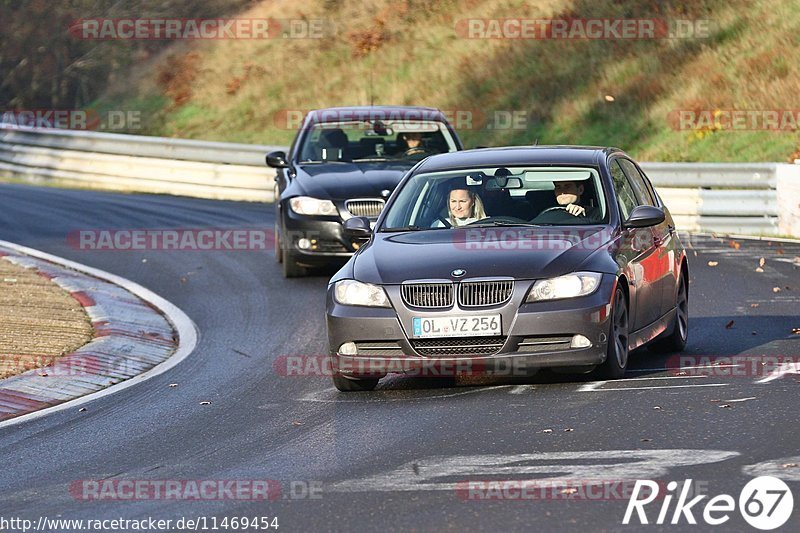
<point>352,292</point>
<point>568,286</point>
<point>306,205</point>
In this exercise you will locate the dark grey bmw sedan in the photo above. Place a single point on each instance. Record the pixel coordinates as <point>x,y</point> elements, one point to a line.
<point>509,260</point>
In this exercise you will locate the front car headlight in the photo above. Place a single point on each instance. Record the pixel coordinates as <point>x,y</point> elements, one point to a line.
<point>568,286</point>
<point>306,205</point>
<point>352,292</point>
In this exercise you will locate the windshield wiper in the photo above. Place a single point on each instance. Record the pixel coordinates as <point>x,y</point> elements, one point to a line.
<point>402,228</point>
<point>504,223</point>
<point>371,159</point>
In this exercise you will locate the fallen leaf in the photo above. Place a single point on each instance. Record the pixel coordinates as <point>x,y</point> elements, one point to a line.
<point>205,403</point>
<point>725,405</point>
<point>144,260</point>
<point>789,465</point>
<point>761,262</point>
<point>547,431</point>
<point>714,401</point>
<point>796,331</point>
<point>759,269</point>
<point>754,305</point>
<point>780,251</point>
<point>568,430</point>
<point>735,245</point>
<point>729,325</point>
<point>173,385</point>
<point>657,408</point>
<point>753,333</point>
<point>183,279</point>
<point>297,423</point>
<point>647,440</point>
<point>609,98</point>
<point>695,254</point>
<point>776,289</point>
<point>82,410</point>
<point>713,263</point>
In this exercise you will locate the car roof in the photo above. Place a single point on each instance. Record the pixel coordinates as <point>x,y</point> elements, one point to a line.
<point>510,156</point>
<point>384,112</point>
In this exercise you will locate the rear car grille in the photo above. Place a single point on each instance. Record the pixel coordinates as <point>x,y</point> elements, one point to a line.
<point>544,344</point>
<point>459,346</point>
<point>485,293</point>
<point>369,208</point>
<point>428,295</point>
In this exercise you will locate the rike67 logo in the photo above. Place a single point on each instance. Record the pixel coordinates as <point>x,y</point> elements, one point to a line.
<point>765,503</point>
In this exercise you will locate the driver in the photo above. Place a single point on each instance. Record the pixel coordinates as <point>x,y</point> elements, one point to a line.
<point>413,142</point>
<point>464,207</point>
<point>568,196</point>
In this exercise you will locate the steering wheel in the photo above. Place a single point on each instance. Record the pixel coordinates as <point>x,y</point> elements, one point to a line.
<point>556,208</point>
<point>511,220</point>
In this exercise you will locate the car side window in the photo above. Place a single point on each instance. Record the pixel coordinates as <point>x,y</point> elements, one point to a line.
<point>636,179</point>
<point>622,188</point>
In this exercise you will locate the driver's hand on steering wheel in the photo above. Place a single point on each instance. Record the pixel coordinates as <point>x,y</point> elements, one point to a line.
<point>576,210</point>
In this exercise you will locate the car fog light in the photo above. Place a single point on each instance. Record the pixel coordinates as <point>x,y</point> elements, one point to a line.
<point>579,341</point>
<point>348,348</point>
<point>304,244</point>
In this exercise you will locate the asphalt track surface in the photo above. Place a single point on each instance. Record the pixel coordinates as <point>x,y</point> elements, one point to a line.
<point>394,459</point>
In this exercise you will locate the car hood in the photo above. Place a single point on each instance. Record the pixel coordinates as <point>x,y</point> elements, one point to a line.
<point>522,253</point>
<point>340,181</point>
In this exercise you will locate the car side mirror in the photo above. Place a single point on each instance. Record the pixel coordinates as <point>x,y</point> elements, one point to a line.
<point>644,216</point>
<point>277,159</point>
<point>357,227</point>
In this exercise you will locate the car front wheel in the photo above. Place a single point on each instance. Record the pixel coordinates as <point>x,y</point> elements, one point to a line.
<point>617,355</point>
<point>675,341</point>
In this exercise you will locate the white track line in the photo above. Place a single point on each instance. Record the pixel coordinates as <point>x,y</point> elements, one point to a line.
<point>186,329</point>
<point>655,388</point>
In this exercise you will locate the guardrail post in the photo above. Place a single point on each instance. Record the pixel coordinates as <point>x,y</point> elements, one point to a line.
<point>788,190</point>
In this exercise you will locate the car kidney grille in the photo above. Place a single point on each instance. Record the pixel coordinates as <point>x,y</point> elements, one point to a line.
<point>428,295</point>
<point>459,346</point>
<point>485,293</point>
<point>365,208</point>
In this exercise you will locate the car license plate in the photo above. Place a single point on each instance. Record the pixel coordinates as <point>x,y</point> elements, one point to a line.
<point>457,326</point>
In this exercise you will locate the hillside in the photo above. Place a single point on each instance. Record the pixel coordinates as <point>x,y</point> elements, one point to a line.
<point>632,93</point>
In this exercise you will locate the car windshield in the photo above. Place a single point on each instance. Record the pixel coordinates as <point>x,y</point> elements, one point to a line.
<point>513,196</point>
<point>376,140</point>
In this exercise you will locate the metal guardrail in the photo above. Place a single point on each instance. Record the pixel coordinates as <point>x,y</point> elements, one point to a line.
<point>134,163</point>
<point>721,197</point>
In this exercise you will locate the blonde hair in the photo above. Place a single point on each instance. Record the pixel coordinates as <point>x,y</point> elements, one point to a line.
<point>478,211</point>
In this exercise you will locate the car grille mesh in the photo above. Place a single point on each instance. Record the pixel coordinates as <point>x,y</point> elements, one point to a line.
<point>485,293</point>
<point>428,295</point>
<point>459,346</point>
<point>365,208</point>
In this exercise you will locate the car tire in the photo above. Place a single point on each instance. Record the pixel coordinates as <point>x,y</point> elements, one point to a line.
<point>278,245</point>
<point>675,340</point>
<point>346,384</point>
<point>617,355</point>
<point>290,267</point>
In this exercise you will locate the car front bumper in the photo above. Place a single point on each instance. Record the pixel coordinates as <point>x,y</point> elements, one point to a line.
<point>326,241</point>
<point>534,335</point>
